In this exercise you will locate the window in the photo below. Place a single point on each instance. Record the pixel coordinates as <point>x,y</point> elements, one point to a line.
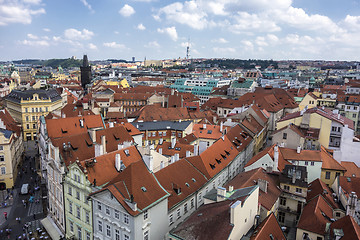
<point>77,195</point>
<point>319,238</point>
<point>70,191</point>
<point>107,210</point>
<point>34,126</point>
<point>146,214</point>
<point>117,234</point>
<point>87,216</point>
<point>283,201</point>
<point>171,220</point>
<point>284,135</point>
<point>71,226</point>
<point>164,134</point>
<point>79,233</point>
<point>27,126</point>
<point>126,237</point>
<point>185,208</point>
<point>78,212</point>
<point>354,115</point>
<point>26,110</point>
<point>33,118</point>
<point>3,170</point>
<point>108,230</point>
<point>117,214</point>
<point>126,218</point>
<point>1,148</point>
<point>298,190</point>
<point>286,187</point>
<point>88,235</point>
<point>178,213</point>
<point>192,203</point>
<point>312,163</point>
<point>200,197</point>
<point>281,217</point>
<point>146,235</point>
<point>154,134</point>
<point>2,158</point>
<point>70,208</point>
<point>99,206</point>
<point>100,226</point>
<point>306,163</point>
<point>337,174</point>
<point>327,175</point>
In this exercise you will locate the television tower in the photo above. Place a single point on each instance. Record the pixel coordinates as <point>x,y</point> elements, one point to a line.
<point>188,50</point>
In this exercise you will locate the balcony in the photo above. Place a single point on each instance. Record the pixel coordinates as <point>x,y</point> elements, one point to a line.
<point>335,134</point>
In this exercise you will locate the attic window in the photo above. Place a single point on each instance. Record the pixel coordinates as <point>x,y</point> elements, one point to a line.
<point>127,152</point>
<point>223,156</point>
<point>218,160</point>
<point>193,179</point>
<point>186,184</point>
<point>177,149</point>
<point>209,131</point>
<point>227,153</point>
<point>63,131</point>
<point>143,189</point>
<point>212,165</point>
<point>116,137</point>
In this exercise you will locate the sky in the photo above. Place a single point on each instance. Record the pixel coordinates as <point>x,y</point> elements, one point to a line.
<point>159,29</point>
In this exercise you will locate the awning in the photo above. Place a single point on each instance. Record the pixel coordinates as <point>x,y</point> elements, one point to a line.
<point>51,228</point>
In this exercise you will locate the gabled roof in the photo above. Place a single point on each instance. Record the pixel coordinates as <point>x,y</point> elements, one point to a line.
<point>114,136</point>
<point>162,125</point>
<point>188,139</point>
<point>103,168</point>
<point>268,227</point>
<point>144,191</point>
<point>9,122</point>
<point>179,148</point>
<point>62,127</point>
<point>315,216</point>
<point>207,131</point>
<point>210,221</point>
<point>250,178</point>
<point>349,227</point>
<point>75,110</point>
<point>150,113</point>
<point>215,158</point>
<point>239,138</point>
<point>181,180</point>
<point>352,170</point>
<point>318,187</point>
<point>350,184</point>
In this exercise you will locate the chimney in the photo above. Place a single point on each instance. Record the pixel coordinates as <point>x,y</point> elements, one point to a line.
<point>351,207</point>
<point>173,142</point>
<point>161,165</point>
<point>276,158</point>
<point>204,126</point>
<point>221,127</point>
<point>196,150</point>
<point>231,188</point>
<point>149,161</point>
<point>338,116</point>
<point>160,151</point>
<point>234,212</point>
<point>214,119</point>
<point>298,149</point>
<point>221,194</point>
<point>92,133</point>
<point>120,146</point>
<point>111,124</point>
<point>81,122</point>
<point>188,153</point>
<point>293,177</point>
<point>119,165</point>
<point>103,143</point>
<point>176,157</point>
<point>263,185</point>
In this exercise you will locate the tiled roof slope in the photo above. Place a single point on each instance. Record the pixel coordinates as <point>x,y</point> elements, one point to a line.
<point>74,110</point>
<point>349,227</point>
<point>180,175</point>
<point>350,184</point>
<point>209,132</point>
<point>315,216</point>
<point>210,221</point>
<point>250,178</point>
<point>9,122</point>
<point>62,127</point>
<point>318,187</point>
<point>268,227</point>
<point>179,148</point>
<point>144,190</point>
<point>103,168</point>
<point>352,170</point>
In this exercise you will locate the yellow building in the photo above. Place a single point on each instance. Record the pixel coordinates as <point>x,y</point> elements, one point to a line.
<point>122,83</point>
<point>329,124</point>
<point>27,106</point>
<point>316,99</point>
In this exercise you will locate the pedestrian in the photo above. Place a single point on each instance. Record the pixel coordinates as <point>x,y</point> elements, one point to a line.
<point>19,220</point>
<point>5,215</point>
<point>34,216</point>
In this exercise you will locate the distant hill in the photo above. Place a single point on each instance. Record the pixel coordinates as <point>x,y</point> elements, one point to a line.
<point>238,63</point>
<point>64,63</point>
<point>54,63</point>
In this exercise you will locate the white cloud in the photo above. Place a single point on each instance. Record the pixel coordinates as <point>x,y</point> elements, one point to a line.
<point>141,27</point>
<point>18,11</point>
<point>246,22</point>
<point>188,13</point>
<point>114,45</point>
<point>46,29</point>
<point>74,34</point>
<point>351,23</point>
<point>32,36</point>
<point>153,44</point>
<point>127,10</point>
<point>92,46</point>
<point>220,40</point>
<point>86,4</point>
<point>35,43</point>
<point>170,31</point>
<point>222,51</point>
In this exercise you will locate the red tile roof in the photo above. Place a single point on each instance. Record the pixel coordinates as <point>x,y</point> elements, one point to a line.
<point>209,132</point>
<point>352,170</point>
<point>250,178</point>
<point>350,184</point>
<point>144,190</point>
<point>269,226</point>
<point>318,187</point>
<point>180,175</point>
<point>179,148</point>
<point>349,227</point>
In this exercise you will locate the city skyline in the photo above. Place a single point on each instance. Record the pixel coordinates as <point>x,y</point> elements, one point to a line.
<point>279,30</point>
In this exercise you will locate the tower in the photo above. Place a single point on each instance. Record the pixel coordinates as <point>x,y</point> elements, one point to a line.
<point>188,50</point>
<point>85,72</point>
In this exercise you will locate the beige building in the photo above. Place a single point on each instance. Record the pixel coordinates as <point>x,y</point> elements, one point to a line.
<point>27,106</point>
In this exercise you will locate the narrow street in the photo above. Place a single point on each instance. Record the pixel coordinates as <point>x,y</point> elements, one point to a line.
<point>27,207</point>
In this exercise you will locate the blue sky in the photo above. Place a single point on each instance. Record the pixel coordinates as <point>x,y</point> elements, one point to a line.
<point>156,29</point>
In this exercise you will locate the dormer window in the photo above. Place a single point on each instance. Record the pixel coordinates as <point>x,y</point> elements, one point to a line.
<point>127,153</point>
<point>212,165</point>
<point>143,189</point>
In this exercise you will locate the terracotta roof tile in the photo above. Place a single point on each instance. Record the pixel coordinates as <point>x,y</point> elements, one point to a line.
<point>350,184</point>
<point>352,170</point>
<point>318,187</point>
<point>269,226</point>
<point>350,228</point>
<point>209,132</point>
